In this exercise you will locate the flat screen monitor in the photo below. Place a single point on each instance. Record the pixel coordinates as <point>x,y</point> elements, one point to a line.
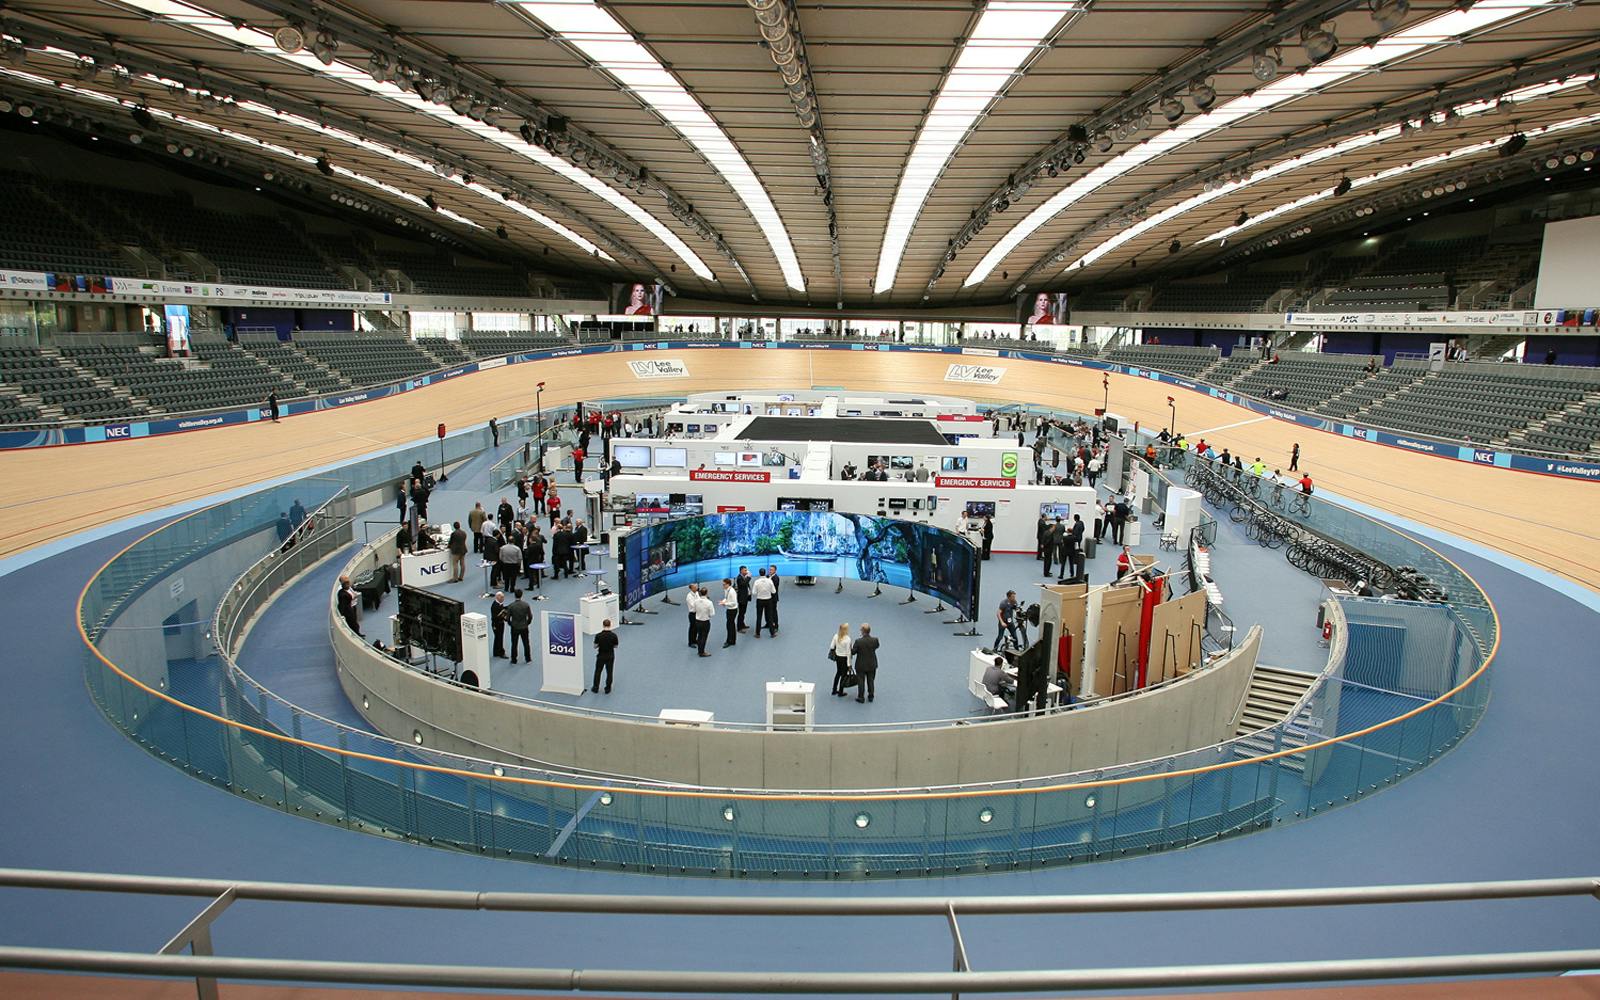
<point>749,459</point>
<point>902,463</point>
<point>776,459</point>
<point>674,428</point>
<point>980,508</point>
<point>805,503</point>
<point>1055,510</point>
<point>672,458</point>
<point>650,503</point>
<point>722,458</point>
<point>953,463</point>
<point>632,456</point>
<point>686,504</point>
<point>692,429</point>
<point>897,503</point>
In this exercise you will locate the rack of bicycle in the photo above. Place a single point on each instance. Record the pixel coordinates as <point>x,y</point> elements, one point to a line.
<point>1276,514</point>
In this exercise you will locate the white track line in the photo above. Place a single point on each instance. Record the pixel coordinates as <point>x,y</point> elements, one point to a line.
<point>1213,430</point>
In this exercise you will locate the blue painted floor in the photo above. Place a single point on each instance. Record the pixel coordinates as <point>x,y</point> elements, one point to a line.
<point>1519,798</point>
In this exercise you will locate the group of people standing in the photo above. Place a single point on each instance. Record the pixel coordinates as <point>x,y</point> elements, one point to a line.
<point>738,593</point>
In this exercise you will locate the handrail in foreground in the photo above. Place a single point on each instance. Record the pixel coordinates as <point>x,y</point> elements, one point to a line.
<point>206,968</point>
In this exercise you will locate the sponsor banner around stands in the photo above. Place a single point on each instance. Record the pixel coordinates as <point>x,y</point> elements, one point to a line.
<point>1565,468</point>
<point>1500,318</point>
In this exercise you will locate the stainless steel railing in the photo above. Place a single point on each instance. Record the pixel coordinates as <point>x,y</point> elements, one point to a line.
<point>205,968</point>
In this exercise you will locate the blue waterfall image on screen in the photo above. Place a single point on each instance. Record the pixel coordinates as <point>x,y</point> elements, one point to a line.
<point>675,553</point>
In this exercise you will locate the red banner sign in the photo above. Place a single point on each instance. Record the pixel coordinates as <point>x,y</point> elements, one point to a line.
<point>966,418</point>
<point>974,483</point>
<point>728,476</point>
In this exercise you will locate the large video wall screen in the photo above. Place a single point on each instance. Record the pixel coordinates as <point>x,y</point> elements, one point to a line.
<point>920,557</point>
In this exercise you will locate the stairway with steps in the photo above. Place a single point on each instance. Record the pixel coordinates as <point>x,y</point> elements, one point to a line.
<point>1272,696</point>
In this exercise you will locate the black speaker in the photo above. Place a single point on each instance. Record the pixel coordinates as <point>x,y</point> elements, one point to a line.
<point>1077,133</point>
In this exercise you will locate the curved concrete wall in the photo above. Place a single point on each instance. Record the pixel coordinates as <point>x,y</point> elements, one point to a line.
<point>1199,710</point>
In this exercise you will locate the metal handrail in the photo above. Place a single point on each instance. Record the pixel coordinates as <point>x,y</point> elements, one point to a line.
<point>205,968</point>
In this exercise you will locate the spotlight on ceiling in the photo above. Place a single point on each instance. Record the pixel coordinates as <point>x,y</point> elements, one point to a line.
<point>142,117</point>
<point>1318,42</point>
<point>1102,142</point>
<point>1051,170</point>
<point>188,151</point>
<point>500,231</point>
<point>1513,144</point>
<point>325,48</point>
<point>1202,94</point>
<point>1342,188</point>
<point>289,38</point>
<point>1264,65</point>
<point>429,200</point>
<point>1242,218</point>
<point>1171,109</point>
<point>1387,14</point>
<point>460,103</point>
<point>324,167</point>
<point>1174,246</point>
<point>379,68</point>
<point>1078,155</point>
<point>526,131</point>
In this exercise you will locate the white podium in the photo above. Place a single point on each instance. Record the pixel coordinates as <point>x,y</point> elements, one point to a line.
<point>475,661</point>
<point>595,609</point>
<point>425,568</point>
<point>1183,512</point>
<point>561,653</point>
<point>790,704</point>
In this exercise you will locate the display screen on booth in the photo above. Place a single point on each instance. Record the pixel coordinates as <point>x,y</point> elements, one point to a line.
<point>919,557</point>
<point>953,463</point>
<point>632,456</point>
<point>672,458</point>
<point>722,458</point>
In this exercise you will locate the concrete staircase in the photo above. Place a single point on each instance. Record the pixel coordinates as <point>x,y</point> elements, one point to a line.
<point>1272,696</point>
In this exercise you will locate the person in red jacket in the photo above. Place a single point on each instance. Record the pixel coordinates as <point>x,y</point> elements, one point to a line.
<point>577,464</point>
<point>552,501</point>
<point>539,487</point>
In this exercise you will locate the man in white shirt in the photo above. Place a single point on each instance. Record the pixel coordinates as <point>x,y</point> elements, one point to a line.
<point>730,611</point>
<point>763,590</point>
<point>703,610</point>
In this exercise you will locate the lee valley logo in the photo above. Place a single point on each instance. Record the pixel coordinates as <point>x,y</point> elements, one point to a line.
<point>659,368</point>
<point>986,374</point>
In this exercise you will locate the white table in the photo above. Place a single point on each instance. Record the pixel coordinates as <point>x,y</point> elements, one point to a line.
<point>686,716</point>
<point>790,704</point>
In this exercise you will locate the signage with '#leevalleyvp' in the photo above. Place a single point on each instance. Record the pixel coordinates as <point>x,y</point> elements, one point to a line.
<point>984,374</point>
<point>562,655</point>
<point>659,368</point>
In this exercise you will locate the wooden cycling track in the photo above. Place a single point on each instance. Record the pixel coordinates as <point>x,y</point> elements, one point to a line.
<point>62,491</point>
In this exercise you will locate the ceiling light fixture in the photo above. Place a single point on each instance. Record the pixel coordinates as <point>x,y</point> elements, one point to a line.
<point>1438,30</point>
<point>216,26</point>
<point>1202,95</point>
<point>1171,109</point>
<point>1318,42</point>
<point>1387,14</point>
<point>592,30</point>
<point>289,38</point>
<point>1264,65</point>
<point>1006,35</point>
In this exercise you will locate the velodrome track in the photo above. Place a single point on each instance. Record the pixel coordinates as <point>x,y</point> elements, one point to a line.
<point>54,493</point>
<point>1519,798</point>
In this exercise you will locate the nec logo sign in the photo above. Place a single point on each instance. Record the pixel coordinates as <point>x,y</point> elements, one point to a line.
<point>120,431</point>
<point>433,570</point>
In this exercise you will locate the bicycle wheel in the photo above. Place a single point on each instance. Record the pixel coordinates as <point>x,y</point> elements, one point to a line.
<point>1238,512</point>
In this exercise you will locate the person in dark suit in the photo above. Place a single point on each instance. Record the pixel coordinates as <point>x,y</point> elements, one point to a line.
<point>561,551</point>
<point>272,405</point>
<point>458,554</point>
<point>533,558</point>
<point>494,431</point>
<point>1052,544</point>
<point>605,655</point>
<point>349,604</point>
<point>865,650</point>
<point>520,615</point>
<point>400,500</point>
<point>580,536</point>
<point>1040,531</point>
<point>772,610</point>
<point>988,535</point>
<point>741,586</point>
<point>498,610</point>
<point>504,514</point>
